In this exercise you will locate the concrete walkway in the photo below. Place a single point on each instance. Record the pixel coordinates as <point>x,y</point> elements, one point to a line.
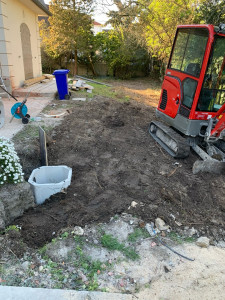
<point>45,89</point>
<point>25,293</point>
<point>34,105</point>
<point>39,95</point>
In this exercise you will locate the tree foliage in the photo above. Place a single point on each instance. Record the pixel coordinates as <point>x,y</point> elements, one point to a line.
<point>124,48</point>
<point>211,12</point>
<point>123,55</point>
<point>160,19</point>
<point>141,29</point>
<point>69,30</point>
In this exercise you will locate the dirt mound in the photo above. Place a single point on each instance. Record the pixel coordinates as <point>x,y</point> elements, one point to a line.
<point>115,162</point>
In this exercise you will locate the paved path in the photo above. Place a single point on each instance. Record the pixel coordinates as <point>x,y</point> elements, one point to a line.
<point>39,95</point>
<point>23,293</point>
<point>34,105</point>
<point>47,89</point>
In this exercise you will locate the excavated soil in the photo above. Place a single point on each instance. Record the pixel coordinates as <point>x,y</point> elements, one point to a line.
<point>115,161</point>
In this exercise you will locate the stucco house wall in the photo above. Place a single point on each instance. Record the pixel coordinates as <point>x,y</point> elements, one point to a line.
<point>17,16</point>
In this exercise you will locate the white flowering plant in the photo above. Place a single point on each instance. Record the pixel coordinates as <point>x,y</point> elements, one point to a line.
<point>10,167</point>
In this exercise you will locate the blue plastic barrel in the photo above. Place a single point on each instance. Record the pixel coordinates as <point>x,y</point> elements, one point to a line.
<point>62,84</point>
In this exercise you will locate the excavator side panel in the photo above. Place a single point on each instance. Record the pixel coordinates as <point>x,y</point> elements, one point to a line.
<point>170,96</point>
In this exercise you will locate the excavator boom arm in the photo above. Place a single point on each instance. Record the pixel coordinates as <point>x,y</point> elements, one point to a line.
<point>220,125</point>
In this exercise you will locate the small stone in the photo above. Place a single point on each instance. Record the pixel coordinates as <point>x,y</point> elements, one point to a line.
<point>110,273</point>
<point>20,273</point>
<point>133,204</point>
<point>160,224</point>
<point>78,230</point>
<point>203,242</point>
<point>25,265</point>
<point>142,224</point>
<point>192,231</point>
<point>163,234</point>
<point>121,283</point>
<point>83,277</point>
<point>41,268</point>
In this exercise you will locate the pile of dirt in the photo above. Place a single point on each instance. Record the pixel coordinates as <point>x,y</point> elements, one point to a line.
<point>115,162</point>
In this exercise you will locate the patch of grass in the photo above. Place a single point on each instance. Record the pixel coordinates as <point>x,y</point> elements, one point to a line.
<point>125,98</point>
<point>189,239</point>
<point>101,90</point>
<point>48,128</point>
<point>29,131</point>
<point>65,235</point>
<point>12,227</point>
<point>89,268</point>
<point>180,239</point>
<point>137,234</point>
<point>79,239</point>
<point>111,243</point>
<point>43,250</point>
<point>56,271</point>
<point>2,270</point>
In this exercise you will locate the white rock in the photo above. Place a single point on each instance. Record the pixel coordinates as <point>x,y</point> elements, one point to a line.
<point>78,230</point>
<point>203,242</point>
<point>25,265</point>
<point>133,204</point>
<point>160,224</point>
<point>41,268</point>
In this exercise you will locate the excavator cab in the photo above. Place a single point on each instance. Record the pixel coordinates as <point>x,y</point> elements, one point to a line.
<point>192,101</point>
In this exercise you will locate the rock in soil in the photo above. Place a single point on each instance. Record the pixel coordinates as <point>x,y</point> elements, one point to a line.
<point>203,242</point>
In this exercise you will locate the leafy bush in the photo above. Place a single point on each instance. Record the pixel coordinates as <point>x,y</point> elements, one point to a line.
<point>10,168</point>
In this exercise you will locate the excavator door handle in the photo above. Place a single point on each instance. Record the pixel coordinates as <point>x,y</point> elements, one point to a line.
<point>177,100</point>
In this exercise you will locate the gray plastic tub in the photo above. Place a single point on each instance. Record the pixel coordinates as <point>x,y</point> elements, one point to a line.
<point>49,180</point>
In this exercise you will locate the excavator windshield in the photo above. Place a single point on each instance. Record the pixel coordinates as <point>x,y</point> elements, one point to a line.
<point>212,95</point>
<point>189,49</point>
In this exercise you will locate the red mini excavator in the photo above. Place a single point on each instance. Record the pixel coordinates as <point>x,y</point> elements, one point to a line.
<point>192,102</point>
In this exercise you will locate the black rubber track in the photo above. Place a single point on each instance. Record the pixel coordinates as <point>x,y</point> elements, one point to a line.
<point>183,148</point>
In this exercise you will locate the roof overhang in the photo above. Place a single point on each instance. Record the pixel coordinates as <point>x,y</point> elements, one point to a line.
<point>37,6</point>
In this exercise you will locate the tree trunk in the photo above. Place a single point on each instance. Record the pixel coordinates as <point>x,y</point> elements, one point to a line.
<point>92,65</point>
<point>75,63</point>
